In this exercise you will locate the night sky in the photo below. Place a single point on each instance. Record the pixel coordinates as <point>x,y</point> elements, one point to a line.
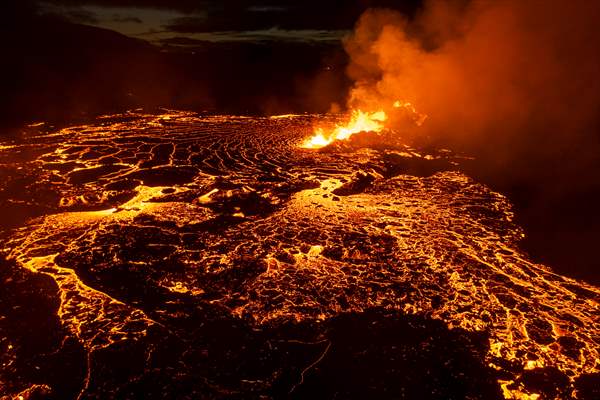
<point>187,22</point>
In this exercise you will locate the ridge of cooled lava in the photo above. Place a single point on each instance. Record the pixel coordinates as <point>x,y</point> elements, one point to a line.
<point>194,256</point>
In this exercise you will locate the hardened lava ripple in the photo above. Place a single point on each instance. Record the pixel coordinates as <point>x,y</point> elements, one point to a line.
<point>186,256</point>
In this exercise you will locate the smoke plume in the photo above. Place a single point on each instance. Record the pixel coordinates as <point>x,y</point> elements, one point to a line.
<point>508,80</point>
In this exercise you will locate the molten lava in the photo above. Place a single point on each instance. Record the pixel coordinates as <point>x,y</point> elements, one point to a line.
<point>359,121</point>
<point>362,122</point>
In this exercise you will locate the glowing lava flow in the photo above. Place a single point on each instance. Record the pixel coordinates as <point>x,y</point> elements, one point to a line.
<point>183,251</point>
<point>360,121</point>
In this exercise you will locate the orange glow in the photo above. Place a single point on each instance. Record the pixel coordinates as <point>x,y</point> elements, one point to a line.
<point>359,121</point>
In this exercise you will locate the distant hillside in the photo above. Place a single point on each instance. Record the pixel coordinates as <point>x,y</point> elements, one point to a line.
<point>59,70</point>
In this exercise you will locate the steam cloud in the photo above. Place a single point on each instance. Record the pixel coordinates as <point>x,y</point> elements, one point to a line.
<point>515,81</point>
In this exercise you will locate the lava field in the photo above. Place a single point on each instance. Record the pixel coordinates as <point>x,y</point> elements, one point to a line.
<point>186,256</point>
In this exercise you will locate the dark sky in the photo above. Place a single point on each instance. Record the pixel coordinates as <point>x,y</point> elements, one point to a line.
<point>97,53</point>
<point>233,20</point>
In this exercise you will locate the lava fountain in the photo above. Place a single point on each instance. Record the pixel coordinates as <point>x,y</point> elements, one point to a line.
<point>361,121</point>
